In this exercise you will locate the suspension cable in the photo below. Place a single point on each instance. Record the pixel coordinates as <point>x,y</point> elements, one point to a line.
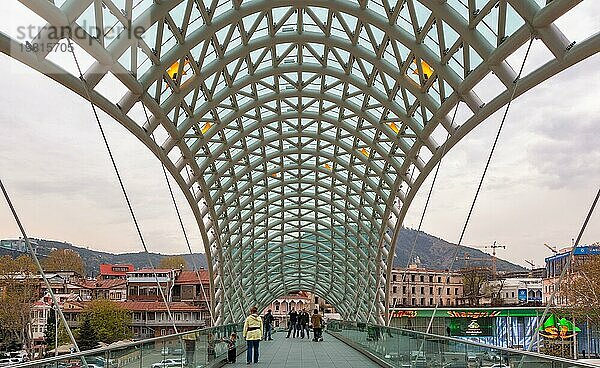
<point>437,170</point>
<point>481,180</point>
<point>121,184</point>
<point>231,314</point>
<point>185,236</point>
<point>42,273</point>
<point>558,282</point>
<point>483,175</point>
<point>228,265</point>
<point>160,154</point>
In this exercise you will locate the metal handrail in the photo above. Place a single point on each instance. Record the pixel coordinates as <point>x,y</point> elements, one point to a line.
<point>481,345</point>
<point>97,351</point>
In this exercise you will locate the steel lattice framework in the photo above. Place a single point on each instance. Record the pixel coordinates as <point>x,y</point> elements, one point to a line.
<point>300,131</point>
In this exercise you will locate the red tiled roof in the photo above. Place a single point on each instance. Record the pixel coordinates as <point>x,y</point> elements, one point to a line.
<point>160,306</point>
<point>107,269</point>
<point>191,277</point>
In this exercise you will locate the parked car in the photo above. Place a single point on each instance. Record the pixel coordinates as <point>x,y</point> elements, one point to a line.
<point>473,361</point>
<point>492,356</point>
<point>164,351</point>
<point>169,363</point>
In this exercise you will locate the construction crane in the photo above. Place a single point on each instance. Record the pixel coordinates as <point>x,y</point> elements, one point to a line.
<point>530,263</point>
<point>552,249</point>
<point>467,257</point>
<point>493,247</point>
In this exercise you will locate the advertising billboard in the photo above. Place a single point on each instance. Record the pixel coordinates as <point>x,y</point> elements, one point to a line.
<point>471,327</point>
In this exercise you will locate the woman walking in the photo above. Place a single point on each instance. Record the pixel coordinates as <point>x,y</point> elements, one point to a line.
<point>253,331</point>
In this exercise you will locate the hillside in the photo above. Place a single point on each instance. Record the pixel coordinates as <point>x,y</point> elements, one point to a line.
<point>437,253</point>
<point>433,253</point>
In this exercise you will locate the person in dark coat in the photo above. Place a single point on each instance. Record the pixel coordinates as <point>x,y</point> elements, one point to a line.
<point>268,321</point>
<point>293,321</point>
<point>304,319</point>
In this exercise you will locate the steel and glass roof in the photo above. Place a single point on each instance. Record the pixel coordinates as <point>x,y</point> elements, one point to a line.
<point>300,131</point>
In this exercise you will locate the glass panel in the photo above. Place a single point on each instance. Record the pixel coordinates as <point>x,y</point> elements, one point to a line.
<point>199,348</point>
<point>404,348</point>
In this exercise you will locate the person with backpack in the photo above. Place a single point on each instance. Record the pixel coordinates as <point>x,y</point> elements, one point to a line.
<point>317,322</point>
<point>253,331</point>
<point>268,321</point>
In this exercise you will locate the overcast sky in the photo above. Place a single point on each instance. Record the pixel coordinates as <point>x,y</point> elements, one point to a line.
<point>540,185</point>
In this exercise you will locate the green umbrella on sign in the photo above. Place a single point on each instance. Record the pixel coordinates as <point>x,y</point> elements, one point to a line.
<point>550,322</point>
<point>570,326</point>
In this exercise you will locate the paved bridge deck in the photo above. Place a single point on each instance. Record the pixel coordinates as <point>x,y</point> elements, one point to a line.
<point>300,353</point>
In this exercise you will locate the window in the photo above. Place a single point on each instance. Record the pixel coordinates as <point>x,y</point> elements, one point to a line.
<point>394,277</point>
<point>422,301</point>
<point>422,278</point>
<point>431,290</point>
<point>455,291</point>
<point>414,301</point>
<point>394,290</point>
<point>448,301</point>
<point>403,301</point>
<point>430,301</point>
<point>439,279</point>
<point>422,290</point>
<point>447,291</point>
<point>403,289</point>
<point>413,290</point>
<point>430,278</point>
<point>412,278</point>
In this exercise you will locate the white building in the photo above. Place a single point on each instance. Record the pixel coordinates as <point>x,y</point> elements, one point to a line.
<point>516,291</point>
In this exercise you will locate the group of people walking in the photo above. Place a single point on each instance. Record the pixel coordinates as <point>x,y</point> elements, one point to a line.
<point>257,328</point>
<point>298,323</point>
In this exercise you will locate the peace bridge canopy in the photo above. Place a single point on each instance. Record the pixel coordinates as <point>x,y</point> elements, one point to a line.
<point>299,131</point>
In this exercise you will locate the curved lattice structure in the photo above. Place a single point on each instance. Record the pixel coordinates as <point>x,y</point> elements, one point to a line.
<point>300,131</point>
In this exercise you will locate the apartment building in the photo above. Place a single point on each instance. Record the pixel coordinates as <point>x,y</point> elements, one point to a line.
<point>422,287</point>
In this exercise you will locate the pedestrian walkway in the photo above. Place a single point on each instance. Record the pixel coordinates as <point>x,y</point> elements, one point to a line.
<point>300,353</point>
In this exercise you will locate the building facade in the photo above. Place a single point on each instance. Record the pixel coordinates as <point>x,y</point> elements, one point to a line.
<point>557,263</point>
<point>416,286</point>
<point>516,291</point>
<point>142,285</point>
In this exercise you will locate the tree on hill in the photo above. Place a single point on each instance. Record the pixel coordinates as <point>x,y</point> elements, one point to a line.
<point>64,260</point>
<point>109,320</point>
<point>18,290</point>
<point>173,263</point>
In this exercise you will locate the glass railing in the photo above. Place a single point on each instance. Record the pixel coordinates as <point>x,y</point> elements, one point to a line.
<point>197,349</point>
<point>397,347</point>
